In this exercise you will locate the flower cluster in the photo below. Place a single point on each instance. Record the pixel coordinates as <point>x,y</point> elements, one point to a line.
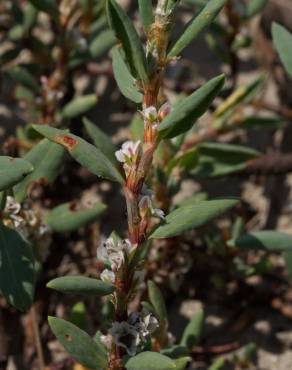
<point>152,115</point>
<point>133,334</point>
<point>29,224</point>
<point>113,252</point>
<point>129,154</point>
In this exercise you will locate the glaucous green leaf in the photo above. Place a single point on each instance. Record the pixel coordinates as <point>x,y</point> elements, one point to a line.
<point>218,159</point>
<point>181,363</point>
<point>47,159</point>
<point>192,216</point>
<point>48,6</point>
<point>282,39</point>
<point>100,139</point>
<point>127,35</point>
<point>267,240</point>
<point>78,344</point>
<point>150,361</point>
<point>253,7</point>
<point>124,79</point>
<point>219,364</point>
<point>137,127</point>
<point>184,115</point>
<point>175,351</point>
<point>261,123</point>
<point>193,331</point>
<point>13,170</point>
<point>66,217</point>
<point>17,273</point>
<point>102,43</point>
<point>81,285</point>
<point>146,13</point>
<point>16,32</point>
<point>24,78</point>
<point>197,24</point>
<point>29,16</point>
<point>157,301</point>
<point>83,152</point>
<point>79,105</point>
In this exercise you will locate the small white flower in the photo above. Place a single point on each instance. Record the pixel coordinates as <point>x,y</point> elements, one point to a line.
<point>107,276</point>
<point>150,114</point>
<point>129,154</point>
<point>107,341</point>
<point>11,206</point>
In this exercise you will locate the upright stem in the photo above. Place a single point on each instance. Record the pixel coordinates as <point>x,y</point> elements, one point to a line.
<point>138,173</point>
<point>37,338</point>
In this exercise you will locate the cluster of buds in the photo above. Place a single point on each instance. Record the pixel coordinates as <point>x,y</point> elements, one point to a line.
<point>133,334</point>
<point>152,117</point>
<point>146,208</point>
<point>113,252</point>
<point>29,225</point>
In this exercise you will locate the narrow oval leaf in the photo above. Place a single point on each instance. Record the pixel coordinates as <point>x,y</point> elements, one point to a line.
<point>127,35</point>
<point>17,273</point>
<point>282,39</point>
<point>47,6</point>
<point>254,7</point>
<point>47,159</point>
<point>181,363</point>
<point>219,364</point>
<point>13,170</point>
<point>192,216</point>
<point>81,285</point>
<point>102,43</point>
<point>66,217</point>
<point>218,159</point>
<point>268,240</point>
<point>193,331</point>
<point>78,344</point>
<point>157,301</point>
<point>261,123</point>
<point>150,361</point>
<point>185,114</point>
<point>124,79</point>
<point>100,139</point>
<point>83,152</point>
<point>197,25</point>
<point>146,13</point>
<point>24,78</point>
<point>79,106</point>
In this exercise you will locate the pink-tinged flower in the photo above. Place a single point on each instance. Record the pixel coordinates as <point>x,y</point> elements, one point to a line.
<point>107,341</point>
<point>114,252</point>
<point>146,208</point>
<point>129,154</point>
<point>164,111</point>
